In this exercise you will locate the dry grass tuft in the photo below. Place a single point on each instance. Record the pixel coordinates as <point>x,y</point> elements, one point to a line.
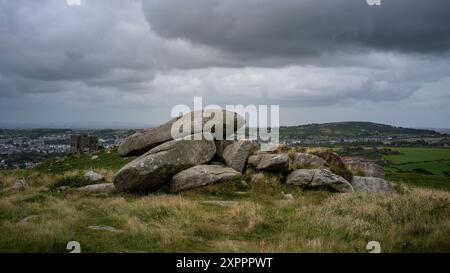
<point>417,220</point>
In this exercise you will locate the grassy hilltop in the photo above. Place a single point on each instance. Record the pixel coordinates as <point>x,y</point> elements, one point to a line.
<point>350,129</point>
<point>254,217</point>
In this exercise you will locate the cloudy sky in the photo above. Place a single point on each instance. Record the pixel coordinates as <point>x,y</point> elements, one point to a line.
<point>133,60</point>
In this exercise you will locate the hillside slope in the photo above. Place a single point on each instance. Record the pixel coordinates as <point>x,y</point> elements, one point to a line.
<point>351,129</point>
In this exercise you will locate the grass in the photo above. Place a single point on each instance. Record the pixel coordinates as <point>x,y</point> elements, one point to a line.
<point>260,219</point>
<point>425,167</point>
<point>422,180</point>
<point>435,167</point>
<point>107,160</point>
<point>409,155</point>
<point>71,181</point>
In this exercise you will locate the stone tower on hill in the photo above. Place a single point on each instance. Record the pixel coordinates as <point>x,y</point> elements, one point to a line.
<point>83,143</point>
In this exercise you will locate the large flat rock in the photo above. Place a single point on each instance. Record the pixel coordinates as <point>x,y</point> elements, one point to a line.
<point>319,178</point>
<point>270,162</point>
<point>201,175</point>
<point>235,154</point>
<point>372,184</point>
<point>219,123</point>
<point>308,161</point>
<point>364,167</point>
<point>93,176</point>
<point>156,167</point>
<point>143,141</point>
<point>97,188</point>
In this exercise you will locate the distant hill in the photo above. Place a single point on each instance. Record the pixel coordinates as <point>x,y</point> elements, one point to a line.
<point>75,125</point>
<point>351,129</point>
<point>440,130</point>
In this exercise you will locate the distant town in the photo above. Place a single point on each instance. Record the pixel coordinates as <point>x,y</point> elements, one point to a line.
<point>27,148</point>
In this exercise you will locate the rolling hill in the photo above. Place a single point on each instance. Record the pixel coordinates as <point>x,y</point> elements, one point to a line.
<point>351,129</point>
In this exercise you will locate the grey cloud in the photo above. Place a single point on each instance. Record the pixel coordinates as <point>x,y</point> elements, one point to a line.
<point>49,41</point>
<point>120,59</point>
<point>292,85</point>
<point>265,28</point>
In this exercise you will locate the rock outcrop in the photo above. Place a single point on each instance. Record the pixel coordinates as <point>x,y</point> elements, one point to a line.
<point>97,188</point>
<point>336,164</point>
<point>141,142</point>
<point>319,178</point>
<point>270,162</point>
<point>220,123</point>
<point>236,154</point>
<point>203,158</point>
<point>201,175</point>
<point>221,145</point>
<point>156,167</point>
<point>372,184</point>
<point>364,167</point>
<point>308,161</point>
<point>93,176</point>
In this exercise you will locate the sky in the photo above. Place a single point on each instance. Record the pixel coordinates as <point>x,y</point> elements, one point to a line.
<point>132,61</point>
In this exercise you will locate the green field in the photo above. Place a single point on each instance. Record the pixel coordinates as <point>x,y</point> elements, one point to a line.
<point>434,167</point>
<point>420,166</point>
<point>408,155</point>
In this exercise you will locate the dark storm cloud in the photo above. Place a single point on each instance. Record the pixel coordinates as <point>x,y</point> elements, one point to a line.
<point>102,42</point>
<point>305,27</point>
<point>118,59</point>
